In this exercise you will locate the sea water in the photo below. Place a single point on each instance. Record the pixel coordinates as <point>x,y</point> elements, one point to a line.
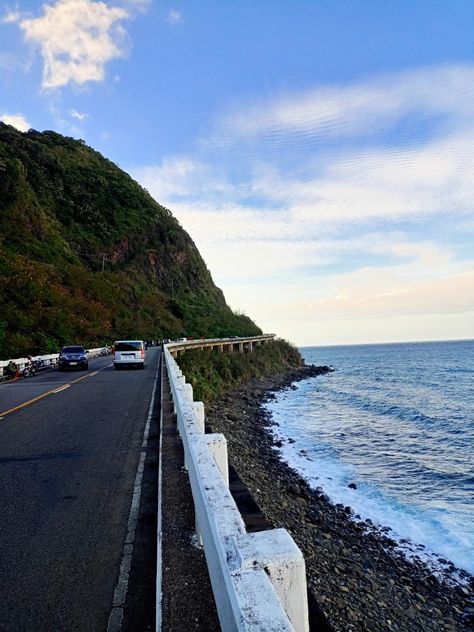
<point>395,421</point>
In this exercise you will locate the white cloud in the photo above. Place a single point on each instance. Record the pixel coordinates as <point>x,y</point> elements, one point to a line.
<point>308,307</point>
<point>78,115</point>
<point>351,189</point>
<point>16,120</point>
<point>396,291</point>
<point>172,178</point>
<point>309,209</point>
<point>381,184</point>
<point>186,177</point>
<point>77,38</point>
<point>13,63</point>
<point>363,107</point>
<point>173,18</point>
<point>11,17</point>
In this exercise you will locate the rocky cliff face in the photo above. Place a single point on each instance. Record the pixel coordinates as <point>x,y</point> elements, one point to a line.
<point>86,255</point>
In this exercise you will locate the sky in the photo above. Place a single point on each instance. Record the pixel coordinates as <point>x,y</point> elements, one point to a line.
<point>319,152</point>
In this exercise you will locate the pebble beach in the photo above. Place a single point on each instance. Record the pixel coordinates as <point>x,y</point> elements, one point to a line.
<point>359,578</point>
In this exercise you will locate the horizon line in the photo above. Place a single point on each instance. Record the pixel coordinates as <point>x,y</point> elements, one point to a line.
<point>393,342</point>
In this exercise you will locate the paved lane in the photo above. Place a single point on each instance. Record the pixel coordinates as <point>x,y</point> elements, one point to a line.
<point>67,468</point>
<point>17,392</point>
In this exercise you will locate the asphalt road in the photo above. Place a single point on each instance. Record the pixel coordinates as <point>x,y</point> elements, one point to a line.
<point>67,469</point>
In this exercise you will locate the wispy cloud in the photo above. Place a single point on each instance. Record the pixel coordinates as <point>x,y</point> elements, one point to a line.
<point>318,205</point>
<point>13,63</point>
<point>78,115</point>
<point>352,187</point>
<point>16,120</point>
<point>364,107</point>
<point>173,18</point>
<point>393,291</point>
<point>77,39</point>
<point>11,16</point>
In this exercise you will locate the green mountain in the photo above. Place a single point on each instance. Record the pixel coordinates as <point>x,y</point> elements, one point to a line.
<point>87,255</point>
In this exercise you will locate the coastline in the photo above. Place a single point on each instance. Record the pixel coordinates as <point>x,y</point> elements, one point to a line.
<point>359,579</point>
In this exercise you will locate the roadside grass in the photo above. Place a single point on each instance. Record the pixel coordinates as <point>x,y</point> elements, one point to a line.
<point>212,372</point>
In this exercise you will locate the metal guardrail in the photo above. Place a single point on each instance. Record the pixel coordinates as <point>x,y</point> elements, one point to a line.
<point>223,344</point>
<point>50,360</point>
<point>258,579</point>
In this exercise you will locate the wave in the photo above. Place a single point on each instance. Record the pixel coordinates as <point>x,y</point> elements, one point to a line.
<point>397,423</point>
<point>383,408</point>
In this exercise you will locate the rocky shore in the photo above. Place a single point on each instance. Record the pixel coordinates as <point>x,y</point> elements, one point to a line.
<point>359,578</point>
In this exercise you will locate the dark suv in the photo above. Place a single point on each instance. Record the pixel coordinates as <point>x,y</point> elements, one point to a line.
<point>73,358</point>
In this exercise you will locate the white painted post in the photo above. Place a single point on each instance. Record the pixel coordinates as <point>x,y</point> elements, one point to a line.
<point>217,445</point>
<point>282,560</point>
<point>200,415</point>
<point>188,392</point>
<point>179,381</point>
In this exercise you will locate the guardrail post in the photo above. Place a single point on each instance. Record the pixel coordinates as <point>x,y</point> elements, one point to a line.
<point>180,380</point>
<point>283,562</point>
<point>217,444</point>
<point>200,415</point>
<point>188,392</point>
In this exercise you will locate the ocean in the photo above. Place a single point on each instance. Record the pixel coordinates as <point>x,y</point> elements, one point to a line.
<point>395,421</point>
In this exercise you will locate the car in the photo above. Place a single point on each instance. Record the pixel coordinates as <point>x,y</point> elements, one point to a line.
<point>73,357</point>
<point>129,353</point>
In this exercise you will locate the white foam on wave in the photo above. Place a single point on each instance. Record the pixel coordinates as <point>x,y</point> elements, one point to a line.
<point>431,535</point>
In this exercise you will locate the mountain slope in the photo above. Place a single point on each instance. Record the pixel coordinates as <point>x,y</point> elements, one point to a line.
<point>86,255</point>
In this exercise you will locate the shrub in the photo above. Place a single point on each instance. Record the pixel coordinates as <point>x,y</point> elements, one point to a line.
<point>212,373</point>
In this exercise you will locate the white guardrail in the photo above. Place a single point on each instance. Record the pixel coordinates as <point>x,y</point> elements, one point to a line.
<point>258,579</point>
<point>50,360</point>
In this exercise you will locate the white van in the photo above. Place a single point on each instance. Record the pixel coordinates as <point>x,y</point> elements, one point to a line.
<point>129,353</point>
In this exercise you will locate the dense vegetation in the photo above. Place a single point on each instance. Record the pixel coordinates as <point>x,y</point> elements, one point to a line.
<point>212,373</point>
<point>87,255</point>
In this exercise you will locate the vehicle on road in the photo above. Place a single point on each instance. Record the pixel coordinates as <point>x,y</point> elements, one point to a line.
<point>29,369</point>
<point>73,357</point>
<point>34,366</point>
<point>129,353</point>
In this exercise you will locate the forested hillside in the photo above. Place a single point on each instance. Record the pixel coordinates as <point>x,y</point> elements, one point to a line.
<point>87,255</point>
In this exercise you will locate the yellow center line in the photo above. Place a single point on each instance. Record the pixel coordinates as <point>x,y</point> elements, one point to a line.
<point>53,390</point>
<point>62,388</point>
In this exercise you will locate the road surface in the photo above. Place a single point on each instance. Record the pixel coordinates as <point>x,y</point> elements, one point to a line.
<point>68,464</point>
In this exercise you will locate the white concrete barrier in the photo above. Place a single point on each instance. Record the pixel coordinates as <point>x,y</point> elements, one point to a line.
<point>222,344</point>
<point>50,360</point>
<point>258,579</point>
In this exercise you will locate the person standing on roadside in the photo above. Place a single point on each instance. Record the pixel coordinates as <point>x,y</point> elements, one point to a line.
<point>12,370</point>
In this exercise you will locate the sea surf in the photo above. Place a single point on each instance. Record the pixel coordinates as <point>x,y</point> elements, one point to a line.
<point>390,434</point>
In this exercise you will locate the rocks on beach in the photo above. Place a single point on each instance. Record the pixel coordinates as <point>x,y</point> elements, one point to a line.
<point>359,579</point>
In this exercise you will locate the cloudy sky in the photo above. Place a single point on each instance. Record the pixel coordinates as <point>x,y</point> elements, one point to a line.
<point>319,152</point>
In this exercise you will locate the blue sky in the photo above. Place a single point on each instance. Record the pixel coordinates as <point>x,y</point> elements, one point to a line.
<point>320,153</point>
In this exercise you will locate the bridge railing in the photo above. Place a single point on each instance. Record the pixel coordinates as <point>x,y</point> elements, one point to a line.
<point>222,344</point>
<point>258,579</point>
<point>50,361</point>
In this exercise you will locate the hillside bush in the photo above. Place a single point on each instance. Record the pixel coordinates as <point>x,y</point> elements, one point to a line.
<point>88,256</point>
<point>212,372</point>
